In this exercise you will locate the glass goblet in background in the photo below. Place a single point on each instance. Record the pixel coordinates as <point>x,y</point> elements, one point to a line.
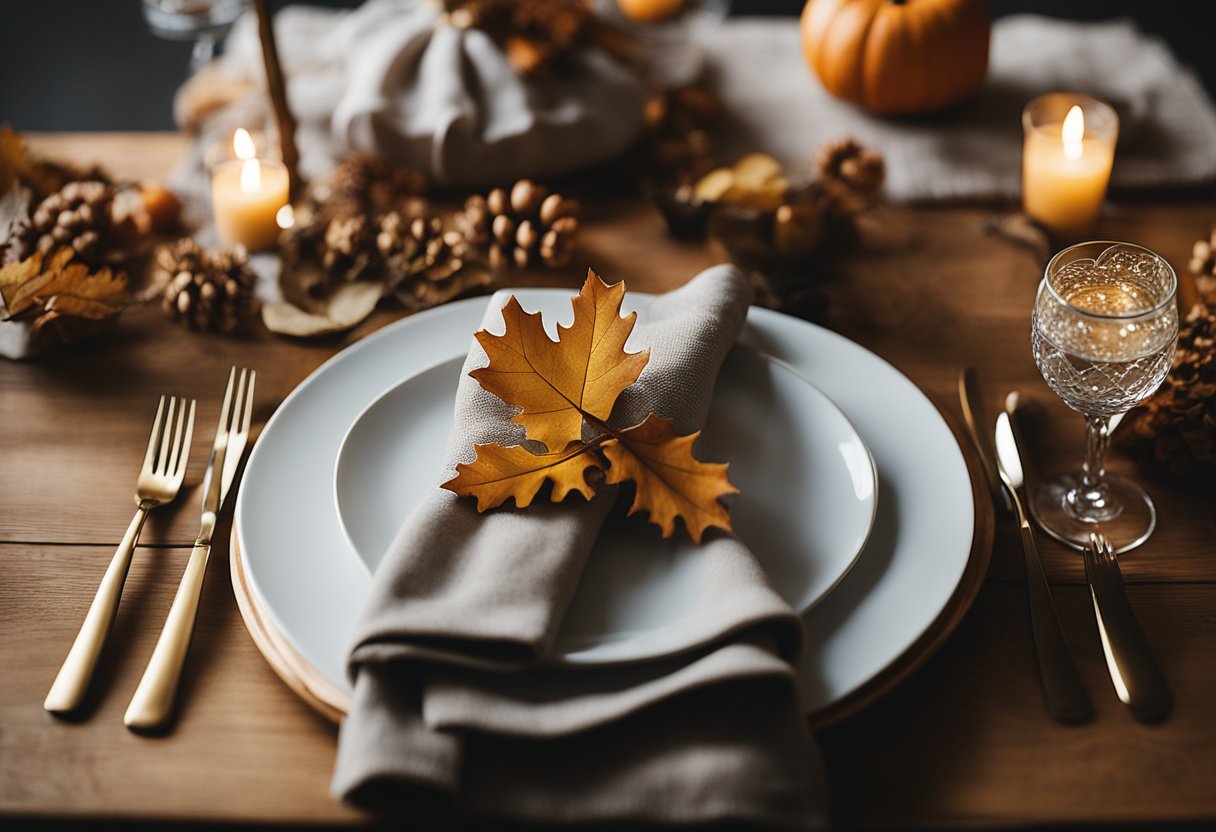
<point>202,21</point>
<point>1104,330</point>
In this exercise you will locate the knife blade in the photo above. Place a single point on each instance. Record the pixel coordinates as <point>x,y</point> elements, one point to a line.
<point>1063,691</point>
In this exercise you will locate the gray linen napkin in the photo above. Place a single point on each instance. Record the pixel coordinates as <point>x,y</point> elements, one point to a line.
<point>456,706</point>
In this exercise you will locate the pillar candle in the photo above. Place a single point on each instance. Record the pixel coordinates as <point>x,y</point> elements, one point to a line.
<point>1066,167</point>
<point>246,194</point>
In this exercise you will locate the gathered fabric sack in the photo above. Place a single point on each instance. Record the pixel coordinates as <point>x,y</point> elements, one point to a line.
<point>398,79</point>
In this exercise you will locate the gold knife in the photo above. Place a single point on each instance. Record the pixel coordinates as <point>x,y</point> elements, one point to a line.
<point>1063,690</point>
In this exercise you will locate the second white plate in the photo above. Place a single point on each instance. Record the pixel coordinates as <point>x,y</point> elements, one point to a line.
<point>807,505</point>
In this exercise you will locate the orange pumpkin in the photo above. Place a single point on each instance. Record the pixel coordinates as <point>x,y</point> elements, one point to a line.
<point>898,56</point>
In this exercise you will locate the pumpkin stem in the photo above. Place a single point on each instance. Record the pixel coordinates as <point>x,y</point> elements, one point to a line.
<point>898,2</point>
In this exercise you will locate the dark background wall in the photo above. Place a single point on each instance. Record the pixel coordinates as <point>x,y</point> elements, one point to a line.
<point>93,64</point>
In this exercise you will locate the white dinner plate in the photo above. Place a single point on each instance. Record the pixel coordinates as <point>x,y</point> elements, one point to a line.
<point>308,582</point>
<point>781,436</point>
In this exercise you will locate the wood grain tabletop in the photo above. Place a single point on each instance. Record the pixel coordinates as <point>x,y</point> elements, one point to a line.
<point>964,742</point>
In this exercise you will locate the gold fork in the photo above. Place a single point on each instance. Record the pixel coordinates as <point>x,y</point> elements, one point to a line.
<point>152,703</point>
<point>159,480</point>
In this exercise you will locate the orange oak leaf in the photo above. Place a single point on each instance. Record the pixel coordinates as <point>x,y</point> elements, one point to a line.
<point>557,383</point>
<point>53,283</point>
<point>500,473</point>
<point>671,483</point>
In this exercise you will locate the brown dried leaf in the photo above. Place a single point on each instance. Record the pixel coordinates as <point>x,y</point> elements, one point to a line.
<point>671,482</point>
<point>558,383</point>
<point>39,285</point>
<point>501,473</point>
<point>578,378</point>
<point>348,306</point>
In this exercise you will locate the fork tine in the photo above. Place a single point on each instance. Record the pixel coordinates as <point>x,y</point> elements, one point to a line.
<point>181,443</point>
<point>153,440</point>
<point>240,425</point>
<point>221,432</point>
<point>253,375</point>
<point>239,401</point>
<point>166,436</point>
<point>172,456</point>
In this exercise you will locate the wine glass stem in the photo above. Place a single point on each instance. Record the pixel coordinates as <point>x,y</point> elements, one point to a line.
<point>1091,501</point>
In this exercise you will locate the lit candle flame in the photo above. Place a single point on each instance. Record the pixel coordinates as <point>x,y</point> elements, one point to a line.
<point>242,145</point>
<point>1072,133</point>
<point>251,176</point>
<point>286,217</point>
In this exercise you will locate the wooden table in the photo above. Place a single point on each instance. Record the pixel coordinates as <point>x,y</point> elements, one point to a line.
<point>964,742</point>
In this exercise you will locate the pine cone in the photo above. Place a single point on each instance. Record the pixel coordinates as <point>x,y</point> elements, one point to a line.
<point>1175,429</point>
<point>79,216</point>
<point>206,291</point>
<point>677,147</point>
<point>849,164</point>
<point>424,263</point>
<point>363,184</point>
<point>1203,266</point>
<point>528,227</point>
<point>347,248</point>
<point>418,248</point>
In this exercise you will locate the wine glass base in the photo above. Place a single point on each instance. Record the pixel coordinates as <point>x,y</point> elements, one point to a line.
<point>1132,525</point>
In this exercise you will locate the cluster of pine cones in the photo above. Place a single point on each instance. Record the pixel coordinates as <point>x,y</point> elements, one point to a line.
<point>81,216</point>
<point>369,221</point>
<point>1175,429</point>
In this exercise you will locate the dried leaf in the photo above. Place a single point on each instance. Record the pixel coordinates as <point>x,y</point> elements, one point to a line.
<point>423,293</point>
<point>301,283</point>
<point>560,385</point>
<point>38,285</point>
<point>16,275</point>
<point>755,169</point>
<point>348,306</point>
<point>671,482</point>
<point>557,383</point>
<point>499,474</point>
<point>92,309</point>
<point>754,182</point>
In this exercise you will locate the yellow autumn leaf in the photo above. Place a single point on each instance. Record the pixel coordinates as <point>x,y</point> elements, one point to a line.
<point>500,473</point>
<point>76,306</point>
<point>14,276</point>
<point>38,284</point>
<point>670,482</point>
<point>557,383</point>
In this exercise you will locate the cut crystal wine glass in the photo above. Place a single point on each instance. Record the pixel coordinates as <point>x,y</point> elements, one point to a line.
<point>1103,333</point>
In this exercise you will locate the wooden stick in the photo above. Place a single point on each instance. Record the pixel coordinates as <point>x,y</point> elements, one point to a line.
<point>278,99</point>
